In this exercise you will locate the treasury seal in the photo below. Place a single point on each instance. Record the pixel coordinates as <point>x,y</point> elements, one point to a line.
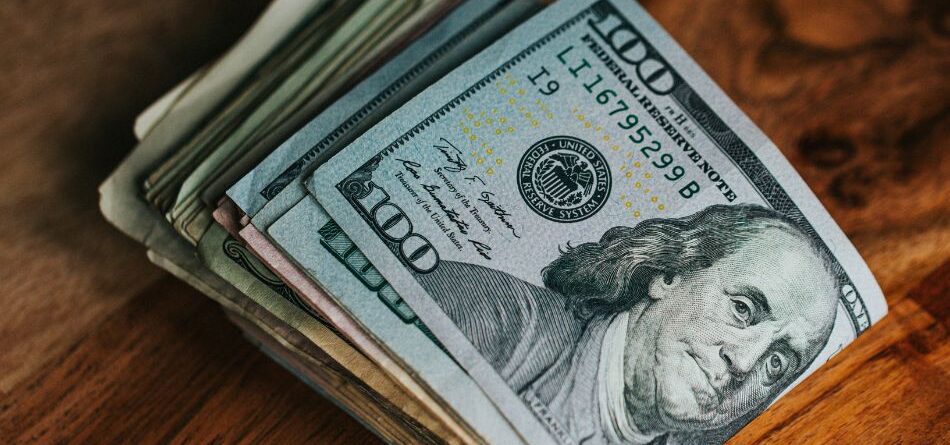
<point>564,179</point>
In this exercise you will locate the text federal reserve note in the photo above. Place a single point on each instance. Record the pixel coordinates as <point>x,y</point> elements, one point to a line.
<point>613,251</point>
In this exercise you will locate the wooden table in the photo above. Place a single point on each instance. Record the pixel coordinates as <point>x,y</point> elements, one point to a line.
<point>98,345</point>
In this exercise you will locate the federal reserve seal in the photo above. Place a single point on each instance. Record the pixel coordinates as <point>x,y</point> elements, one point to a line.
<point>564,179</point>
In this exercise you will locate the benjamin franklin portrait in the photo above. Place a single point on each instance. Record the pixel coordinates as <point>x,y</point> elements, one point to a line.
<point>675,330</point>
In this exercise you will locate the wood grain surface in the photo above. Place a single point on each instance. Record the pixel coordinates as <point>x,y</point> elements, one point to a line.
<point>97,345</point>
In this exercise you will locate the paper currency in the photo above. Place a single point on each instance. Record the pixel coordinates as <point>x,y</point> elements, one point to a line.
<point>419,21</point>
<point>599,236</point>
<point>164,105</point>
<point>310,73</point>
<point>468,29</point>
<point>572,237</point>
<point>124,205</point>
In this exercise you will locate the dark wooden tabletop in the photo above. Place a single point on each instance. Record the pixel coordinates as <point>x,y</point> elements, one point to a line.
<point>97,345</point>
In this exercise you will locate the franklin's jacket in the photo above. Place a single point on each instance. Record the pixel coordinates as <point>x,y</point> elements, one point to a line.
<point>547,356</point>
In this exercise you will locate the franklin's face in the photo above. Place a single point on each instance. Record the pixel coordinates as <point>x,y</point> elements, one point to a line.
<point>713,344</point>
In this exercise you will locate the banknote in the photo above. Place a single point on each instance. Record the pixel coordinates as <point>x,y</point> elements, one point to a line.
<point>349,283</point>
<point>233,75</point>
<point>471,27</point>
<point>280,19</point>
<point>121,201</point>
<point>123,204</point>
<point>369,59</point>
<point>301,53</point>
<point>238,267</point>
<point>163,105</point>
<point>417,67</point>
<point>596,233</point>
<point>310,73</point>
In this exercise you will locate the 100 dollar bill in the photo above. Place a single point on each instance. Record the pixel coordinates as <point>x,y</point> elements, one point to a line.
<point>600,237</point>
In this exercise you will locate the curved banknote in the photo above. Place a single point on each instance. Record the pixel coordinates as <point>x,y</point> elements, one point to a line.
<point>274,186</point>
<point>600,237</point>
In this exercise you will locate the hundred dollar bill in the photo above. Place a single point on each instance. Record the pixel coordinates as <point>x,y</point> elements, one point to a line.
<point>120,201</point>
<point>311,74</point>
<point>124,206</point>
<point>599,235</point>
<point>366,62</point>
<point>393,326</point>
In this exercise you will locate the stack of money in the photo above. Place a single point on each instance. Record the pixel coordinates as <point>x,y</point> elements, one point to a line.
<point>494,221</point>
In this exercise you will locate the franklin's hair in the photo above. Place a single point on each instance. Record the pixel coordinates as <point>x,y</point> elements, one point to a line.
<point>612,275</point>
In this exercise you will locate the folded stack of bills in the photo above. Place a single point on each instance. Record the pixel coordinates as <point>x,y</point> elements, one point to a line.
<point>494,221</point>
